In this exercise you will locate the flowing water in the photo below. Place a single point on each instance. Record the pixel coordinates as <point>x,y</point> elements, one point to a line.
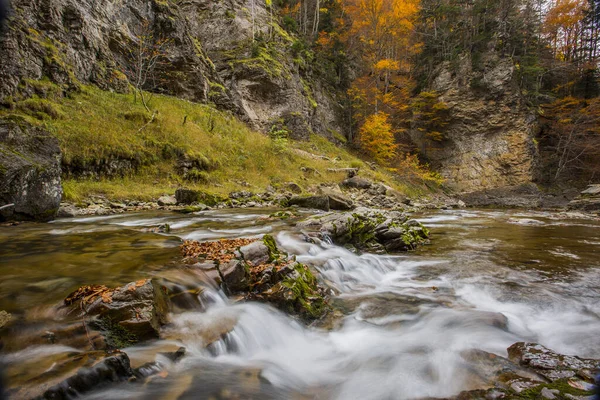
<point>488,280</point>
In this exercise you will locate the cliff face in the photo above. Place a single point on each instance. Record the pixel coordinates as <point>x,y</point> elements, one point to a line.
<point>488,142</point>
<point>209,54</point>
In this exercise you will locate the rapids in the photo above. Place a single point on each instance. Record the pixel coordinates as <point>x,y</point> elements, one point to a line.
<point>488,279</point>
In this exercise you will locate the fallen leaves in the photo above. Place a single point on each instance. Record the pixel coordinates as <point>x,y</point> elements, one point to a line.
<point>87,294</point>
<point>221,251</point>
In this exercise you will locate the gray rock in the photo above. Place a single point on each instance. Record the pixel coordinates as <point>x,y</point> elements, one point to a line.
<point>234,275</point>
<point>316,202</point>
<point>549,394</point>
<point>30,174</point>
<point>592,190</point>
<point>167,201</point>
<point>67,211</point>
<point>357,183</point>
<point>546,362</point>
<point>255,253</point>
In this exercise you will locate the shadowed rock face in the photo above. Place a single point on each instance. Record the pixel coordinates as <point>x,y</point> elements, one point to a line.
<point>488,142</point>
<point>29,172</point>
<point>209,56</point>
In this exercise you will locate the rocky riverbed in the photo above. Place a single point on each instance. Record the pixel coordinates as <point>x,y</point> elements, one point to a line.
<point>255,303</point>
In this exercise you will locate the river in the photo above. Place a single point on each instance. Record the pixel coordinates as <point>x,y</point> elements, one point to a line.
<point>488,279</point>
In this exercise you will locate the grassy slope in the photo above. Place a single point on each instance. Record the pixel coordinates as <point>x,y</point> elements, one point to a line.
<point>94,126</point>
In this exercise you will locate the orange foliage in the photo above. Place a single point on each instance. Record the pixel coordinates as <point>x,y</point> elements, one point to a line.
<point>377,138</point>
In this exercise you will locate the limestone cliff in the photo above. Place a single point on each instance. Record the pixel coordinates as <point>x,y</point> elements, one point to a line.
<point>488,142</point>
<point>231,52</point>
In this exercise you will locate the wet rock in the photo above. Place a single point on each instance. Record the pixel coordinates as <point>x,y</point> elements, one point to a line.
<point>260,271</point>
<point>167,201</point>
<point>127,314</point>
<point>357,183</point>
<point>234,275</point>
<point>368,229</point>
<point>71,375</point>
<point>256,253</point>
<point>30,174</point>
<point>547,363</point>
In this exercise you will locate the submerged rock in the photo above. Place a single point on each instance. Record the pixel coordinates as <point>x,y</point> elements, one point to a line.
<point>30,184</point>
<point>368,229</point>
<point>69,375</point>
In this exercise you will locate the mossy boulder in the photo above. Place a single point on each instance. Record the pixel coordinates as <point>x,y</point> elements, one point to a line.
<point>260,270</point>
<point>30,183</point>
<point>190,196</point>
<point>368,230</point>
<point>125,315</point>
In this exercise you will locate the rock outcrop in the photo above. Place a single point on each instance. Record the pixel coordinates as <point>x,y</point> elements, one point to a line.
<point>231,53</point>
<point>29,172</point>
<point>488,142</point>
<point>531,372</point>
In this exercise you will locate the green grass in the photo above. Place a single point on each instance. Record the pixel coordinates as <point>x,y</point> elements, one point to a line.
<point>95,126</point>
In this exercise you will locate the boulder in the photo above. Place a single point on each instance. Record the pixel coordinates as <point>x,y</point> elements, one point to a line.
<point>357,183</point>
<point>328,200</point>
<point>316,202</point>
<point>127,314</point>
<point>367,229</point>
<point>293,187</point>
<point>234,275</point>
<point>256,253</point>
<point>167,201</point>
<point>190,196</point>
<point>30,184</point>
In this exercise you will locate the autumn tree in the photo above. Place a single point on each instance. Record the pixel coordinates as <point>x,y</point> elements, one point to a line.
<point>377,138</point>
<point>381,35</point>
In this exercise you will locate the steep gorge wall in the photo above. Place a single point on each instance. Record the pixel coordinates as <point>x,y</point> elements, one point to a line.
<point>211,56</point>
<point>488,142</point>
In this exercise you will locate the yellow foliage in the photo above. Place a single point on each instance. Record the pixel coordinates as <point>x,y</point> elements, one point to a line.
<point>377,138</point>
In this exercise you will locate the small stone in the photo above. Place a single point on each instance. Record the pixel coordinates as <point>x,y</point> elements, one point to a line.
<point>293,187</point>
<point>549,394</point>
<point>167,201</point>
